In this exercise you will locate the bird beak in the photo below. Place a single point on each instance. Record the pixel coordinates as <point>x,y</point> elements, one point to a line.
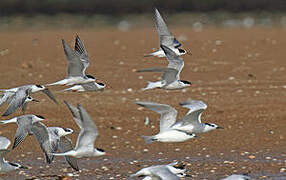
<point>197,136</point>
<point>220,127</point>
<point>35,100</point>
<point>50,95</point>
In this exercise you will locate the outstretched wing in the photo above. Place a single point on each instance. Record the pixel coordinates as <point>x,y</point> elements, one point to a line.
<point>42,136</point>
<point>66,145</point>
<point>50,95</point>
<point>169,74</point>
<point>168,114</point>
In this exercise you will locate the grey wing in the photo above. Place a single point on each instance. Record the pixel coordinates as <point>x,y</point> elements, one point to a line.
<point>75,112</point>
<point>21,134</point>
<point>5,97</point>
<point>81,51</point>
<point>168,114</point>
<point>169,74</point>
<point>4,142</point>
<point>193,118</point>
<point>18,100</point>
<point>42,136</point>
<point>66,145</point>
<point>89,132</point>
<point>165,174</point>
<point>175,61</point>
<point>90,86</point>
<point>165,36</point>
<point>194,105</point>
<point>75,66</point>
<point>50,95</point>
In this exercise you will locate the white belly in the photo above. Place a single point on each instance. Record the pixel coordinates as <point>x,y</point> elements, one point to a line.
<point>172,136</point>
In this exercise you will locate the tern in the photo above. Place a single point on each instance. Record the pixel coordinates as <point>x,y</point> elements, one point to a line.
<point>171,75</point>
<point>92,86</point>
<point>166,172</point>
<point>191,123</point>
<point>25,124</point>
<point>19,96</point>
<point>4,165</point>
<point>237,177</point>
<point>78,62</point>
<point>165,38</point>
<point>53,138</point>
<point>88,134</point>
<point>167,119</point>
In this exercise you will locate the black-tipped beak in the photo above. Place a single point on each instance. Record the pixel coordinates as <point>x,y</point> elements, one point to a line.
<point>220,127</point>
<point>196,136</point>
<point>35,100</point>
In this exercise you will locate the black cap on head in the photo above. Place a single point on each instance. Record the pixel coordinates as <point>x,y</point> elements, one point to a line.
<point>39,86</point>
<point>182,51</point>
<point>209,124</point>
<point>39,116</point>
<point>90,76</point>
<point>101,150</point>
<point>186,82</point>
<point>66,130</point>
<point>101,84</point>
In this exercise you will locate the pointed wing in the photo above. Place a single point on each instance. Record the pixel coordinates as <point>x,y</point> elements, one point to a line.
<point>168,114</point>
<point>18,100</point>
<point>81,51</point>
<point>50,95</point>
<point>194,115</point>
<point>90,86</point>
<point>169,74</point>
<point>76,66</point>
<point>175,61</point>
<point>165,36</point>
<point>41,134</point>
<point>24,125</point>
<point>5,97</point>
<point>88,133</point>
<point>75,114</point>
<point>4,142</point>
<point>66,145</point>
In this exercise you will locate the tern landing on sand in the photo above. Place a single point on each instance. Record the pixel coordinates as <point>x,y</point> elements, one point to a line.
<point>92,86</point>
<point>53,138</point>
<point>4,165</point>
<point>171,75</point>
<point>166,172</point>
<point>165,38</point>
<point>78,62</point>
<point>191,123</point>
<point>88,134</point>
<point>167,119</point>
<point>25,123</point>
<point>237,177</point>
<point>19,96</point>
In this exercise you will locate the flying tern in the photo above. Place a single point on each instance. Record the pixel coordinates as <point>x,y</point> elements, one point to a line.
<point>167,119</point>
<point>53,138</point>
<point>25,124</point>
<point>91,86</point>
<point>88,134</point>
<point>237,177</point>
<point>165,38</point>
<point>171,75</point>
<point>78,62</point>
<point>191,123</point>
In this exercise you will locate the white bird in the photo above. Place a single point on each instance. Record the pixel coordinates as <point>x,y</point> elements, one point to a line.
<point>88,134</point>
<point>166,172</point>
<point>53,138</point>
<point>171,75</point>
<point>19,96</point>
<point>78,62</point>
<point>91,86</point>
<point>6,166</point>
<point>165,38</point>
<point>25,123</point>
<point>237,177</point>
<point>191,122</point>
<point>167,119</point>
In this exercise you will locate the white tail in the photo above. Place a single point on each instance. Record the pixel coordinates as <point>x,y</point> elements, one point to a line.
<point>13,120</point>
<point>153,85</point>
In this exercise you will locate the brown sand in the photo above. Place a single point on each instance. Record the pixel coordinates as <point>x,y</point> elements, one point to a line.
<point>239,73</point>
